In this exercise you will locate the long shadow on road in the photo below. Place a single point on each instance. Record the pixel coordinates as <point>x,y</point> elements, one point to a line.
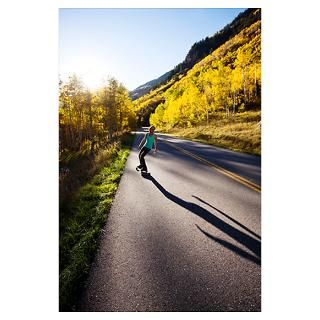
<point>249,242</point>
<point>233,220</point>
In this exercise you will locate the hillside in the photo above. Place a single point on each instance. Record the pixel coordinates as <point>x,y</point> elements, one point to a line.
<point>201,49</point>
<point>147,87</point>
<point>227,80</point>
<point>218,89</point>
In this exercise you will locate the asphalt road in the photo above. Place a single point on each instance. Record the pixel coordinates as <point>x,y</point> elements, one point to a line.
<point>185,238</point>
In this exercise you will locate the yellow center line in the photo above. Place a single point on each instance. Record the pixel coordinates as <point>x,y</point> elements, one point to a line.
<point>232,175</point>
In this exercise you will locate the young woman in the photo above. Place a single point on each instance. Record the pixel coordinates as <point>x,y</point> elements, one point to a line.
<point>147,142</point>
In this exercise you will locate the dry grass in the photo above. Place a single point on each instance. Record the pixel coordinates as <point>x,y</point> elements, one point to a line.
<point>81,167</point>
<point>241,132</point>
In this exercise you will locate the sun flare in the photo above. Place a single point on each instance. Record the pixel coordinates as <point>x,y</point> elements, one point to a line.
<point>92,79</point>
<point>92,72</point>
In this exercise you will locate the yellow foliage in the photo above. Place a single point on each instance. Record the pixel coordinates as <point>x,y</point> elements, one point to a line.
<point>89,118</point>
<point>228,79</point>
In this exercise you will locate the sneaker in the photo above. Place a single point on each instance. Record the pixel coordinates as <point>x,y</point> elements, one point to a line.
<point>137,168</point>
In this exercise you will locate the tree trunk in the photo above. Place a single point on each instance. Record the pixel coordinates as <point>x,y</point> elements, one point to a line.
<point>255,82</point>
<point>90,115</point>
<point>244,85</point>
<point>71,134</point>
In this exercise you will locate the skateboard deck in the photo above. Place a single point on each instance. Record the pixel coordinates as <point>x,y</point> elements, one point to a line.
<point>146,174</point>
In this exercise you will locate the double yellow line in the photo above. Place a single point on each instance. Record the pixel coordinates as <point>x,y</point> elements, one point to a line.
<point>232,175</point>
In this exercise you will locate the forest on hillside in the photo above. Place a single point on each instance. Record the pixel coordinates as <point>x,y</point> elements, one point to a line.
<point>200,50</point>
<point>228,80</point>
<point>204,47</point>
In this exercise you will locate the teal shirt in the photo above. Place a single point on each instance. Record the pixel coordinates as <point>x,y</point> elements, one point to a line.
<point>149,141</point>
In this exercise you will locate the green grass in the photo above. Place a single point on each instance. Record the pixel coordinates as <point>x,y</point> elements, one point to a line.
<point>241,132</point>
<point>80,230</point>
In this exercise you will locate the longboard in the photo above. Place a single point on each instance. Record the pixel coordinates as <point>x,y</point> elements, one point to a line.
<point>146,174</point>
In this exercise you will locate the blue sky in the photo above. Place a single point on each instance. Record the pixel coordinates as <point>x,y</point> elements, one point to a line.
<point>132,45</point>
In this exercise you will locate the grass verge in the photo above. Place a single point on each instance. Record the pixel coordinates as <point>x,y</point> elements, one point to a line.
<point>80,231</point>
<point>241,132</point>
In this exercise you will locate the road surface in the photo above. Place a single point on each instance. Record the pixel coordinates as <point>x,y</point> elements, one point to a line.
<point>185,238</point>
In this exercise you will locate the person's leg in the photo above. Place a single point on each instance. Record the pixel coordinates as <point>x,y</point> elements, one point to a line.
<point>140,166</point>
<point>142,154</point>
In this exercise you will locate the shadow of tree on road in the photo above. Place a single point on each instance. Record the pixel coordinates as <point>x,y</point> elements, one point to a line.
<point>233,220</point>
<point>249,242</point>
<point>232,247</point>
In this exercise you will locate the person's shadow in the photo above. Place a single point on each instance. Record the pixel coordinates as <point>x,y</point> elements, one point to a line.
<point>246,240</point>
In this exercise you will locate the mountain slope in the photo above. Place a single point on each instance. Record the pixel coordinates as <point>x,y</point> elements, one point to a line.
<point>147,87</point>
<point>204,47</point>
<point>219,100</point>
<point>201,49</point>
<point>228,79</point>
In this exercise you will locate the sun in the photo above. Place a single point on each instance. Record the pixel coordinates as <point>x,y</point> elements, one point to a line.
<point>92,79</point>
<point>92,72</point>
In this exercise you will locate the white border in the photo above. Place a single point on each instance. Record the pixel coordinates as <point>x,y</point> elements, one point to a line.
<point>160,4</point>
<point>29,206</point>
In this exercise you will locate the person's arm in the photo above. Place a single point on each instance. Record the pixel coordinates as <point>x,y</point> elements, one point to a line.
<point>143,141</point>
<point>155,143</point>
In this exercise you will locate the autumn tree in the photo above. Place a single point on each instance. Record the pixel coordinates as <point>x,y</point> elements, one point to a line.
<point>227,80</point>
<point>91,119</point>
